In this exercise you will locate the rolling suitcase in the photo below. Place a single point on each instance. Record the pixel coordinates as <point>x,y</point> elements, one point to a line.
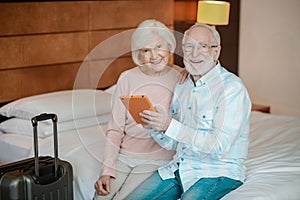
<point>40,177</point>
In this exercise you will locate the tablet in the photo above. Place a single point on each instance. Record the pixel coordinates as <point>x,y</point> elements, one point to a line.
<point>136,104</point>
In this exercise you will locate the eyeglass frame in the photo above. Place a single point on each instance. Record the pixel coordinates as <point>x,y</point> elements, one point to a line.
<point>202,47</point>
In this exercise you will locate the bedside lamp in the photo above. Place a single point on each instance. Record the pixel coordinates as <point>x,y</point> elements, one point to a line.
<point>213,12</point>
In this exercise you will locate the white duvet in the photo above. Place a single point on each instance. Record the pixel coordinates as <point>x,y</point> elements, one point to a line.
<point>273,165</point>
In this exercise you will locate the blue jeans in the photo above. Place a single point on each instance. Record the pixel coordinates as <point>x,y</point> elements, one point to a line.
<point>205,188</point>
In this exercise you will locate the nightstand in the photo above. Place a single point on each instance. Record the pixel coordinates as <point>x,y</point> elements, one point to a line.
<point>261,108</point>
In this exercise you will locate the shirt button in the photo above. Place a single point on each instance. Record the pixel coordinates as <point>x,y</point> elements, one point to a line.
<point>182,159</point>
<point>203,116</point>
<point>190,107</point>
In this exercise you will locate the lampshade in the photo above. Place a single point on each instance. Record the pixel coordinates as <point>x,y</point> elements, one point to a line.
<point>213,12</point>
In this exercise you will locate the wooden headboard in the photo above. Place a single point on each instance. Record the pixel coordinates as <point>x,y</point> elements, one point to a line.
<point>52,46</point>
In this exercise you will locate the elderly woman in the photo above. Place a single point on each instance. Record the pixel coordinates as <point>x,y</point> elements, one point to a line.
<point>131,155</point>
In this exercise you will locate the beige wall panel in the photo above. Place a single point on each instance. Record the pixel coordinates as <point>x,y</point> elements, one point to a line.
<point>10,19</point>
<point>110,43</point>
<point>10,52</point>
<point>185,10</point>
<point>41,41</point>
<point>43,17</point>
<point>105,73</point>
<point>114,14</point>
<point>30,81</point>
<point>99,36</point>
<point>10,85</point>
<point>45,49</point>
<point>56,48</point>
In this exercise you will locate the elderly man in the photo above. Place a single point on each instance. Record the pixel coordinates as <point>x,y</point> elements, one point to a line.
<point>208,126</point>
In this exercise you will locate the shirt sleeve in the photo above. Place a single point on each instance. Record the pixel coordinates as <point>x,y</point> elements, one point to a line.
<point>229,118</point>
<point>163,140</point>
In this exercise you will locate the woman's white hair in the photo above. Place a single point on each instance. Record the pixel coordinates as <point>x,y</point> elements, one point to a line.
<point>144,34</point>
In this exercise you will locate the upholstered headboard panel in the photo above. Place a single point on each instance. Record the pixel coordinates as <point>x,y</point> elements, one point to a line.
<point>43,44</point>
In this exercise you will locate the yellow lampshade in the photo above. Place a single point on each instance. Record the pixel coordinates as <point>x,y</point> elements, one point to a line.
<point>213,12</point>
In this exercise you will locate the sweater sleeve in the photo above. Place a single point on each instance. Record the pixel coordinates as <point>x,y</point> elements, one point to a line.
<point>115,131</point>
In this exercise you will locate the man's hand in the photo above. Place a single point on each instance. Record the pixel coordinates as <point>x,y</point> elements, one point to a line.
<point>159,120</point>
<point>102,185</point>
<point>183,76</point>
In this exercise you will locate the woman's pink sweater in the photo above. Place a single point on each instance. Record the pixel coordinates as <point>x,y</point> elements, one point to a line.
<point>123,134</point>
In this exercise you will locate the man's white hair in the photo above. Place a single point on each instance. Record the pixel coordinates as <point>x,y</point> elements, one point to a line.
<point>214,32</point>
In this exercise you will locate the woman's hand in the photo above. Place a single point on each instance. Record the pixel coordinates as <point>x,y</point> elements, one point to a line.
<point>102,185</point>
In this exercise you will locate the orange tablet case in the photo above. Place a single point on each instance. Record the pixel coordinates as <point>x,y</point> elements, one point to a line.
<point>136,104</point>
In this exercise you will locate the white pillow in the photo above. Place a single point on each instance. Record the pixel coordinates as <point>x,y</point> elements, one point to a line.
<point>24,126</point>
<point>67,105</point>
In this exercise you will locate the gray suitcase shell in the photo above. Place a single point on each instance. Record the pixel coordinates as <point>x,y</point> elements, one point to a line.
<point>40,177</point>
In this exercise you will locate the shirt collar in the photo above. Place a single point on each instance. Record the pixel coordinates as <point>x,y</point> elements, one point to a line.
<point>212,74</point>
<point>209,76</point>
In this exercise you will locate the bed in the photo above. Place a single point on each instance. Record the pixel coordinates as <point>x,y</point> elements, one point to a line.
<point>273,165</point>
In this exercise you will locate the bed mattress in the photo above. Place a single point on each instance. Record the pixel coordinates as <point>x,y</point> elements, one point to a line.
<point>273,164</point>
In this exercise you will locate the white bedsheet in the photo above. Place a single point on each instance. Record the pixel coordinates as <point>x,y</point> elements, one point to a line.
<point>14,147</point>
<point>83,148</point>
<point>273,165</point>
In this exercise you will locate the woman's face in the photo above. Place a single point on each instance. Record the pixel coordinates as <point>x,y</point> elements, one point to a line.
<point>155,55</point>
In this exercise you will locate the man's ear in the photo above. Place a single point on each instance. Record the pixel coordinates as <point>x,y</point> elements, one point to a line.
<point>217,52</point>
<point>169,46</point>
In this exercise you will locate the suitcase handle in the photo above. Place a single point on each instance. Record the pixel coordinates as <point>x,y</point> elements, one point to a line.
<point>43,117</point>
<point>34,121</point>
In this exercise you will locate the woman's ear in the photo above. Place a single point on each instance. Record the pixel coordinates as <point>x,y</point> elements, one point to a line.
<point>140,58</point>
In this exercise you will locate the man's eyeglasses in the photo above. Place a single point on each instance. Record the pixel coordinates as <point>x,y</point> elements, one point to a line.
<point>189,47</point>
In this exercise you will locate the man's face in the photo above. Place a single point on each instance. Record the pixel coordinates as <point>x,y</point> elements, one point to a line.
<point>155,54</point>
<point>200,51</point>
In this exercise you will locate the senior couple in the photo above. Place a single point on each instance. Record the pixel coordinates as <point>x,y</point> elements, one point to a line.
<point>195,145</point>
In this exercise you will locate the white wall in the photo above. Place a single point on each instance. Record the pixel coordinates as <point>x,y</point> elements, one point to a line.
<point>269,53</point>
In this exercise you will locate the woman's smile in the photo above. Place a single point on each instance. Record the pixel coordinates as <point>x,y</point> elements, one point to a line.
<point>156,61</point>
